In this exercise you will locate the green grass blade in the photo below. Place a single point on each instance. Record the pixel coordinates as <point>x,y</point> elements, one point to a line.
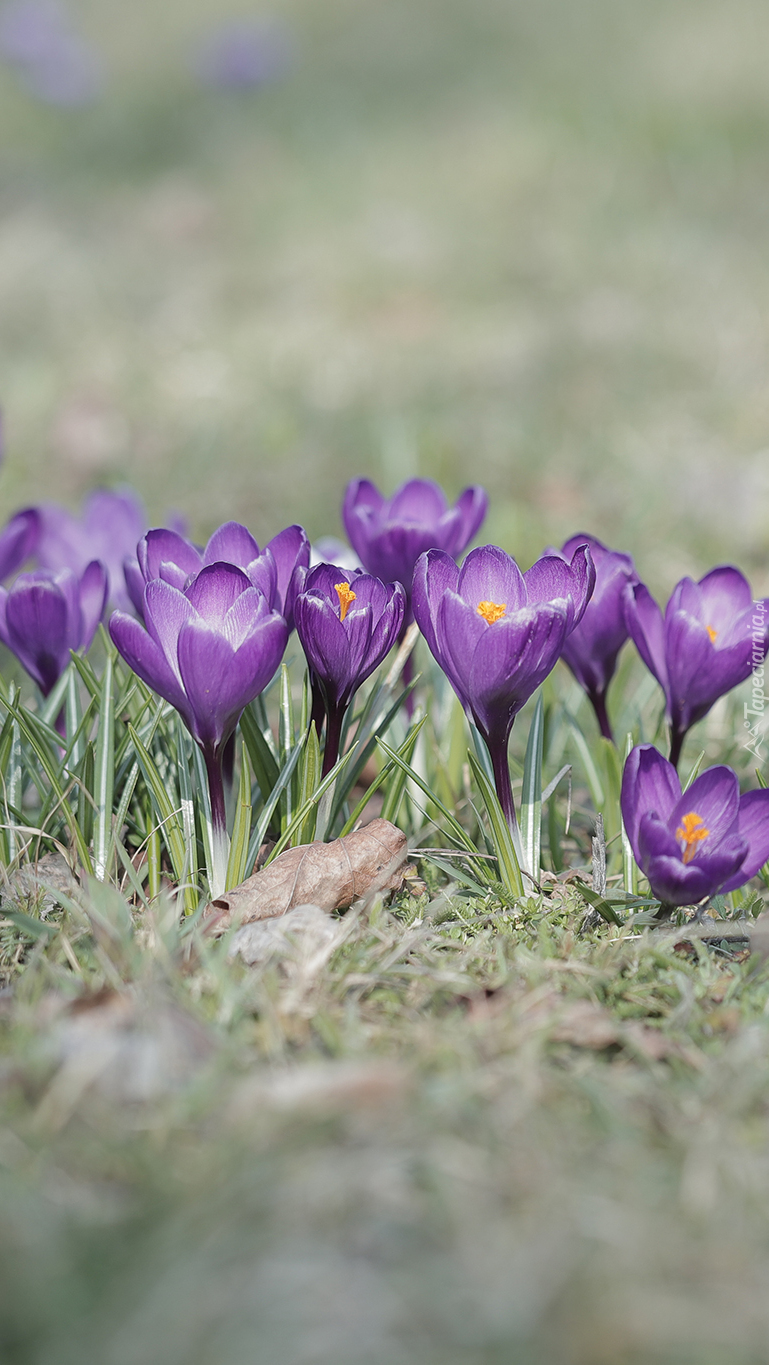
<point>312,802</point>
<point>259,831</point>
<point>263,764</point>
<point>237,864</point>
<point>397,785</point>
<point>168,817</point>
<point>509,868</point>
<point>390,807</point>
<point>629,868</point>
<point>694,772</point>
<point>531,793</point>
<point>104,773</point>
<point>34,733</point>
<point>187,799</point>
<point>588,763</point>
<point>310,773</point>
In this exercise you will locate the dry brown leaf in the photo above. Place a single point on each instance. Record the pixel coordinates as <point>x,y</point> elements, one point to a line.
<point>330,876</point>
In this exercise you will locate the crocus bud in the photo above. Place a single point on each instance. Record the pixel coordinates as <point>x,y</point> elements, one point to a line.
<point>347,623</point>
<point>592,647</point>
<point>44,615</point>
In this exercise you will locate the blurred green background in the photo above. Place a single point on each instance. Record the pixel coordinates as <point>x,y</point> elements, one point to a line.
<point>484,240</point>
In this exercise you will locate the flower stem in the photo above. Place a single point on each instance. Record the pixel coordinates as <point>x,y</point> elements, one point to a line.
<point>598,700</point>
<point>220,850</point>
<point>676,744</point>
<point>334,718</point>
<point>501,769</point>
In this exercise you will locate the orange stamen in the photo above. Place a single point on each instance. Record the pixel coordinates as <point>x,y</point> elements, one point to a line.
<point>346,596</point>
<point>691,832</point>
<point>712,633</point>
<point>492,611</point>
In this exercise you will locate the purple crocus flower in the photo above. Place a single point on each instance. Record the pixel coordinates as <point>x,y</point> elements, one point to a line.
<point>695,844</point>
<point>711,638</point>
<point>389,534</point>
<point>169,556</point>
<point>497,633</point>
<point>18,540</point>
<point>592,648</point>
<point>109,529</point>
<point>347,624</point>
<point>45,615</point>
<point>208,648</point>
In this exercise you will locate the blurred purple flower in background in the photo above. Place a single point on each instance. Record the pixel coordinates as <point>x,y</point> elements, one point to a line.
<point>109,529</point>
<point>711,638</point>
<point>18,540</point>
<point>167,555</point>
<point>592,648</point>
<point>56,64</point>
<point>240,54</point>
<point>389,534</point>
<point>497,633</point>
<point>44,615</point>
<point>208,649</point>
<point>694,844</point>
<point>347,623</point>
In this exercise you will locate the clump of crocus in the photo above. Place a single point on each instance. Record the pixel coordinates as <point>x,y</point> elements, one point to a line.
<point>695,844</point>
<point>208,648</point>
<point>19,540</point>
<point>347,624</point>
<point>45,615</point>
<point>109,529</point>
<point>592,648</point>
<point>389,534</point>
<point>497,633</point>
<point>711,638</point>
<point>169,556</point>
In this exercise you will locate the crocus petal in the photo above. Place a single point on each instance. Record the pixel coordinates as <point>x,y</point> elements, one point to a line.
<point>214,685</point>
<point>649,784</point>
<point>134,581</point>
<point>699,673</point>
<point>419,501</point>
<point>325,642</point>
<point>511,662</point>
<point>165,611</point>
<point>715,797</point>
<point>18,540</point>
<point>679,883</point>
<point>163,547</point>
<point>37,624</point>
<point>144,655</point>
<point>490,575</point>
<point>361,501</point>
<point>725,594</point>
<point>94,587</point>
<point>435,574</point>
<point>214,590</point>
<point>232,543</point>
<point>263,573</point>
<point>290,548</point>
<point>472,505</point>
<point>754,828</point>
<point>646,629</point>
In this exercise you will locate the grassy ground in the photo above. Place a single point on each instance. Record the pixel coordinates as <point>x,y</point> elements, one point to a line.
<point>517,243</point>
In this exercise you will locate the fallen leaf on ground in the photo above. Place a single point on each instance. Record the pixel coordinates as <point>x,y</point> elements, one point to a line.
<point>330,876</point>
